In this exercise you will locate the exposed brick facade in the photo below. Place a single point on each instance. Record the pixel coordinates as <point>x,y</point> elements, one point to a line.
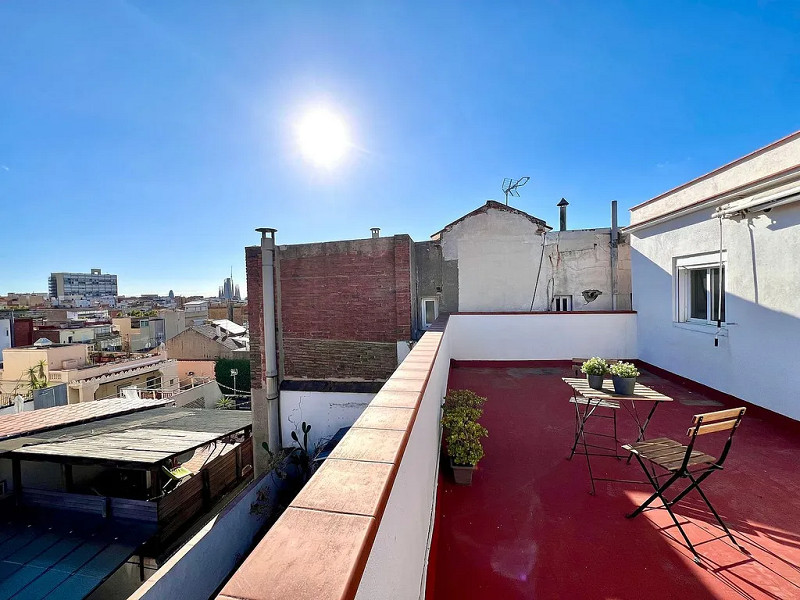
<point>344,306</point>
<point>255,314</point>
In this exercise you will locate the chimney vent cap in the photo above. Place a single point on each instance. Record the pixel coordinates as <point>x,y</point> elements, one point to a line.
<point>563,202</point>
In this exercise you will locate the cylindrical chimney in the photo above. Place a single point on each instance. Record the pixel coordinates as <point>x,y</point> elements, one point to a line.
<point>562,214</point>
<point>376,231</point>
<point>266,413</point>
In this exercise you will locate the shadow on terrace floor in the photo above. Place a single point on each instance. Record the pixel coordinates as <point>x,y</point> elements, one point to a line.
<point>528,528</point>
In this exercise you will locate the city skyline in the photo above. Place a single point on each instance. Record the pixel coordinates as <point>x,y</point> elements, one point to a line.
<point>184,122</point>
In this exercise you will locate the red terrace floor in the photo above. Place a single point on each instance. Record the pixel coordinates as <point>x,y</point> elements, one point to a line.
<point>528,528</point>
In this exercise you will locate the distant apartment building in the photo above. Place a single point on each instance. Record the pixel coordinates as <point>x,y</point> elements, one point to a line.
<point>95,284</point>
<point>140,333</point>
<point>221,339</point>
<point>174,322</point>
<point>196,312</point>
<point>99,336</point>
<point>15,330</point>
<point>26,300</point>
<point>236,313</point>
<point>70,364</point>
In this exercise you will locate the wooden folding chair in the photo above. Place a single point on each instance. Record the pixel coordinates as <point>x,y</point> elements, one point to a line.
<point>677,460</point>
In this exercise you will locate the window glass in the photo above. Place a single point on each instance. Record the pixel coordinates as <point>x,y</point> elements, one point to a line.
<point>698,305</point>
<point>715,296</point>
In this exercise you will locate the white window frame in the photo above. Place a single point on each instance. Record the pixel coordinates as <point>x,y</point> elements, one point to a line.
<point>564,300</point>
<point>423,312</point>
<point>682,292</point>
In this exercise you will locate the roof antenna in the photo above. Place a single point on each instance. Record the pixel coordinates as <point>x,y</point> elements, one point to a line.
<point>511,187</point>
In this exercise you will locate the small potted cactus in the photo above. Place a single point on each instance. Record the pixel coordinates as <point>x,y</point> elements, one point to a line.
<point>624,375</point>
<point>595,368</point>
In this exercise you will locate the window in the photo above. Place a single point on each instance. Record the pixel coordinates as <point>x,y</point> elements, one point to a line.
<point>562,303</point>
<point>701,290</point>
<point>430,310</point>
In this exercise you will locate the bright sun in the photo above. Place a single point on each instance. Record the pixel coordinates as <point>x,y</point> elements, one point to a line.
<point>323,137</point>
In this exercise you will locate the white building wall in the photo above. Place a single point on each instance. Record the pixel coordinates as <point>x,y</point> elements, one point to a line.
<point>5,335</point>
<point>756,359</point>
<point>499,255</point>
<point>770,160</point>
<point>326,412</point>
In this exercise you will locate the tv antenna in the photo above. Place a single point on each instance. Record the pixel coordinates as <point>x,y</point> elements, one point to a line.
<point>511,187</point>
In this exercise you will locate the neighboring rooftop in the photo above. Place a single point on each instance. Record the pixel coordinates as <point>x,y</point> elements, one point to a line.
<point>229,327</point>
<point>135,439</point>
<point>232,342</point>
<point>32,422</point>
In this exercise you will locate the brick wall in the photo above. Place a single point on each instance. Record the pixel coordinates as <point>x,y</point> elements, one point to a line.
<point>255,314</point>
<point>344,305</point>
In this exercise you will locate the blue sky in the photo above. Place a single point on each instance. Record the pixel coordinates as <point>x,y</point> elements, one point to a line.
<point>151,138</point>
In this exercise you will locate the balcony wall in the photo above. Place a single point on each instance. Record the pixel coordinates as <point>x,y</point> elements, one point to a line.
<point>542,336</point>
<point>397,564</point>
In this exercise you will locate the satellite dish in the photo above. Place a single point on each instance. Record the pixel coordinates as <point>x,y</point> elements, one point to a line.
<point>511,187</point>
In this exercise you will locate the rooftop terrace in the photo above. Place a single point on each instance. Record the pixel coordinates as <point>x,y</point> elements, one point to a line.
<point>528,528</point>
<point>382,518</point>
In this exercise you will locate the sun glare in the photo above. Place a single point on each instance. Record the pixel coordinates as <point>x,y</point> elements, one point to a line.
<point>323,137</point>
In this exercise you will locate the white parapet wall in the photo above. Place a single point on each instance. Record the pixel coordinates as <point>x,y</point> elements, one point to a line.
<point>542,336</point>
<point>196,570</point>
<point>397,565</point>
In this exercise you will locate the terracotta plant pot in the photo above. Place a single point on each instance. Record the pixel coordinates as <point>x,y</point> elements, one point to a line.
<point>595,381</point>
<point>624,385</point>
<point>462,473</point>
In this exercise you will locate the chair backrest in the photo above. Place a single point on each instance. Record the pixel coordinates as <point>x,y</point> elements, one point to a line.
<point>721,420</point>
<point>713,422</point>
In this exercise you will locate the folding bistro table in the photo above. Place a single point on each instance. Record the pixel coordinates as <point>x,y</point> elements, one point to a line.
<point>587,401</point>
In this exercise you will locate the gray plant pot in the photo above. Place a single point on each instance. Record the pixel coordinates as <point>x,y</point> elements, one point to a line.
<point>595,381</point>
<point>624,385</point>
<point>462,473</point>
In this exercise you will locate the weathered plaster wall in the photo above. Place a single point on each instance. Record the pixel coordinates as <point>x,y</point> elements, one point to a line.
<point>495,257</point>
<point>497,254</point>
<point>756,358</point>
<point>326,412</point>
<point>580,260</point>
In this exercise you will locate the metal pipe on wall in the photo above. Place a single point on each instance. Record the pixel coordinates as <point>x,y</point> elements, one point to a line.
<point>270,354</point>
<point>614,254</point>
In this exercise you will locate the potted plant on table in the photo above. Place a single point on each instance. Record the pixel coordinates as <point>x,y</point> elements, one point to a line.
<point>624,375</point>
<point>460,413</point>
<point>595,369</point>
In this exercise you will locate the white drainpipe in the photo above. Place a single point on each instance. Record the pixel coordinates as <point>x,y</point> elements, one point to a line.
<point>270,354</point>
<point>614,255</point>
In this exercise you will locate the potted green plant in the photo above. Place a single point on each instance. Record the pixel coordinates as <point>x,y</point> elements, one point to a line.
<point>460,413</point>
<point>595,369</point>
<point>623,375</point>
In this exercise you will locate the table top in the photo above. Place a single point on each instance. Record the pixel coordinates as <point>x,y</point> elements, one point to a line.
<point>640,392</point>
